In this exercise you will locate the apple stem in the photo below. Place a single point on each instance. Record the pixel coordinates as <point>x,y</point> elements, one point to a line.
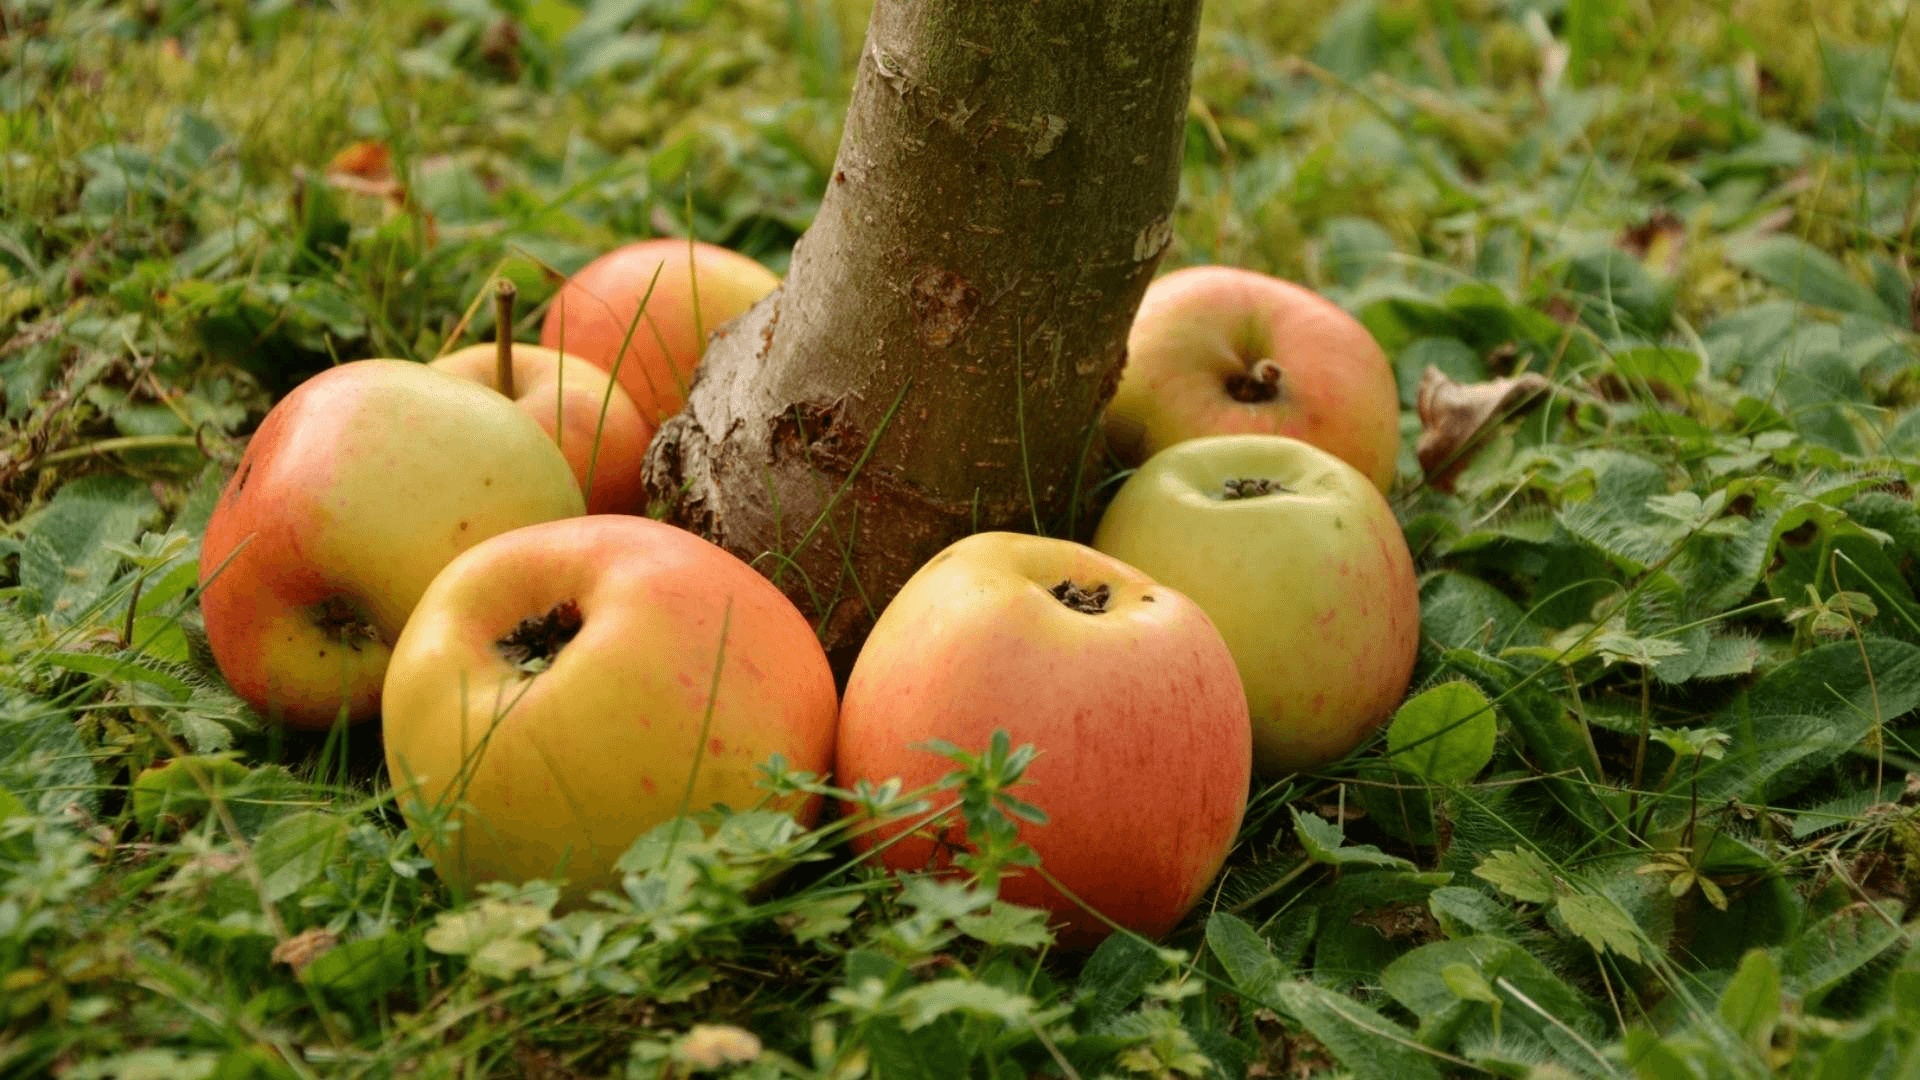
<point>1260,382</point>
<point>503,294</point>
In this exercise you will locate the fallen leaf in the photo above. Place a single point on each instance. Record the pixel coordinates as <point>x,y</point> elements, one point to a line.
<point>1660,240</point>
<point>368,159</point>
<point>1452,416</point>
<point>304,948</point>
<point>713,1046</point>
<point>365,168</point>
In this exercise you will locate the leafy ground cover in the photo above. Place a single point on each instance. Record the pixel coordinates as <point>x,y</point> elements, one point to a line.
<point>1684,841</point>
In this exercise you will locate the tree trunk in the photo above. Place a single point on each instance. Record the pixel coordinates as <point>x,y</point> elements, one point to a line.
<point>952,324</point>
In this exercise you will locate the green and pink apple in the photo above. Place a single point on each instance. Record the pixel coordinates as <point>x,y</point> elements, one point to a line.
<point>700,287</point>
<point>1218,350</point>
<point>358,487</point>
<point>1122,684</point>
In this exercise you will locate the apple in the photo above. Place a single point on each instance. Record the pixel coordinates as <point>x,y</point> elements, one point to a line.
<point>564,395</point>
<point>555,694</point>
<point>357,488</point>
<point>1218,350</point>
<point>700,287</point>
<point>1122,684</point>
<point>1299,561</point>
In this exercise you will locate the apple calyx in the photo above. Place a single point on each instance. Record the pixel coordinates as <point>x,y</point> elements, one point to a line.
<point>344,622</point>
<point>1260,382</point>
<point>1251,487</point>
<point>1087,601</point>
<point>535,640</point>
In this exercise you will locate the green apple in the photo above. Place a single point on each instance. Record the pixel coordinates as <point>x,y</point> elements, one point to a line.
<point>358,487</point>
<point>1217,350</point>
<point>1299,561</point>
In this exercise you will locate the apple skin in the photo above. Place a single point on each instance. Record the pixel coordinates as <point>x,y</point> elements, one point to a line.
<point>564,394</point>
<point>357,488</point>
<point>1200,329</point>
<point>1312,588</point>
<point>1145,748</point>
<point>596,749</point>
<point>589,316</point>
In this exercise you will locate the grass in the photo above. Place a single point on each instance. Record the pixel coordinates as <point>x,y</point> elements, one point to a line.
<point>1684,579</point>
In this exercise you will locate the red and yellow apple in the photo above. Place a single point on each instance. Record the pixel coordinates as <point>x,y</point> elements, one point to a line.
<point>1122,684</point>
<point>358,487</point>
<point>555,694</point>
<point>1218,350</point>
<point>565,394</point>
<point>1298,560</point>
<point>700,287</point>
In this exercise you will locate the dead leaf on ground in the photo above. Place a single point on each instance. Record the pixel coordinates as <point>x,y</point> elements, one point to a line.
<point>304,948</point>
<point>365,168</point>
<point>1660,239</point>
<point>713,1046</point>
<point>1453,414</point>
<point>368,159</point>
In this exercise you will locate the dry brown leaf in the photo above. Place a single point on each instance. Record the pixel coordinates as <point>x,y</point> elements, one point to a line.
<point>368,159</point>
<point>1453,414</point>
<point>713,1046</point>
<point>1661,240</point>
<point>304,948</point>
<point>365,168</point>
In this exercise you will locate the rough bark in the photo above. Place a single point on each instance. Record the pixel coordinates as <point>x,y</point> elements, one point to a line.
<point>952,324</point>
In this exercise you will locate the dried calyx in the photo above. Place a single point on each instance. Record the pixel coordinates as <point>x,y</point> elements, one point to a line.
<point>1090,601</point>
<point>1251,487</point>
<point>344,621</point>
<point>533,642</point>
<point>1260,382</point>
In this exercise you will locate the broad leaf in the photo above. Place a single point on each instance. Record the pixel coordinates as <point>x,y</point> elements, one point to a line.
<point>43,759</point>
<point>1807,274</point>
<point>923,1004</point>
<point>1445,734</point>
<point>934,1052</point>
<point>1463,612</point>
<point>1750,1004</point>
<point>1246,956</point>
<point>1371,1046</point>
<point>1007,924</point>
<point>1603,925</point>
<point>1119,971</point>
<point>66,563</point>
<point>1831,950</point>
<point>1520,874</point>
<point>1325,843</point>
<point>1804,713</point>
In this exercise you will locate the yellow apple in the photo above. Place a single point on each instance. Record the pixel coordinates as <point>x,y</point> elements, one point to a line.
<point>556,695</point>
<point>564,394</point>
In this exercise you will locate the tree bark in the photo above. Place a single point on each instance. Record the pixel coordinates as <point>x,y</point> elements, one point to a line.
<point>953,322</point>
